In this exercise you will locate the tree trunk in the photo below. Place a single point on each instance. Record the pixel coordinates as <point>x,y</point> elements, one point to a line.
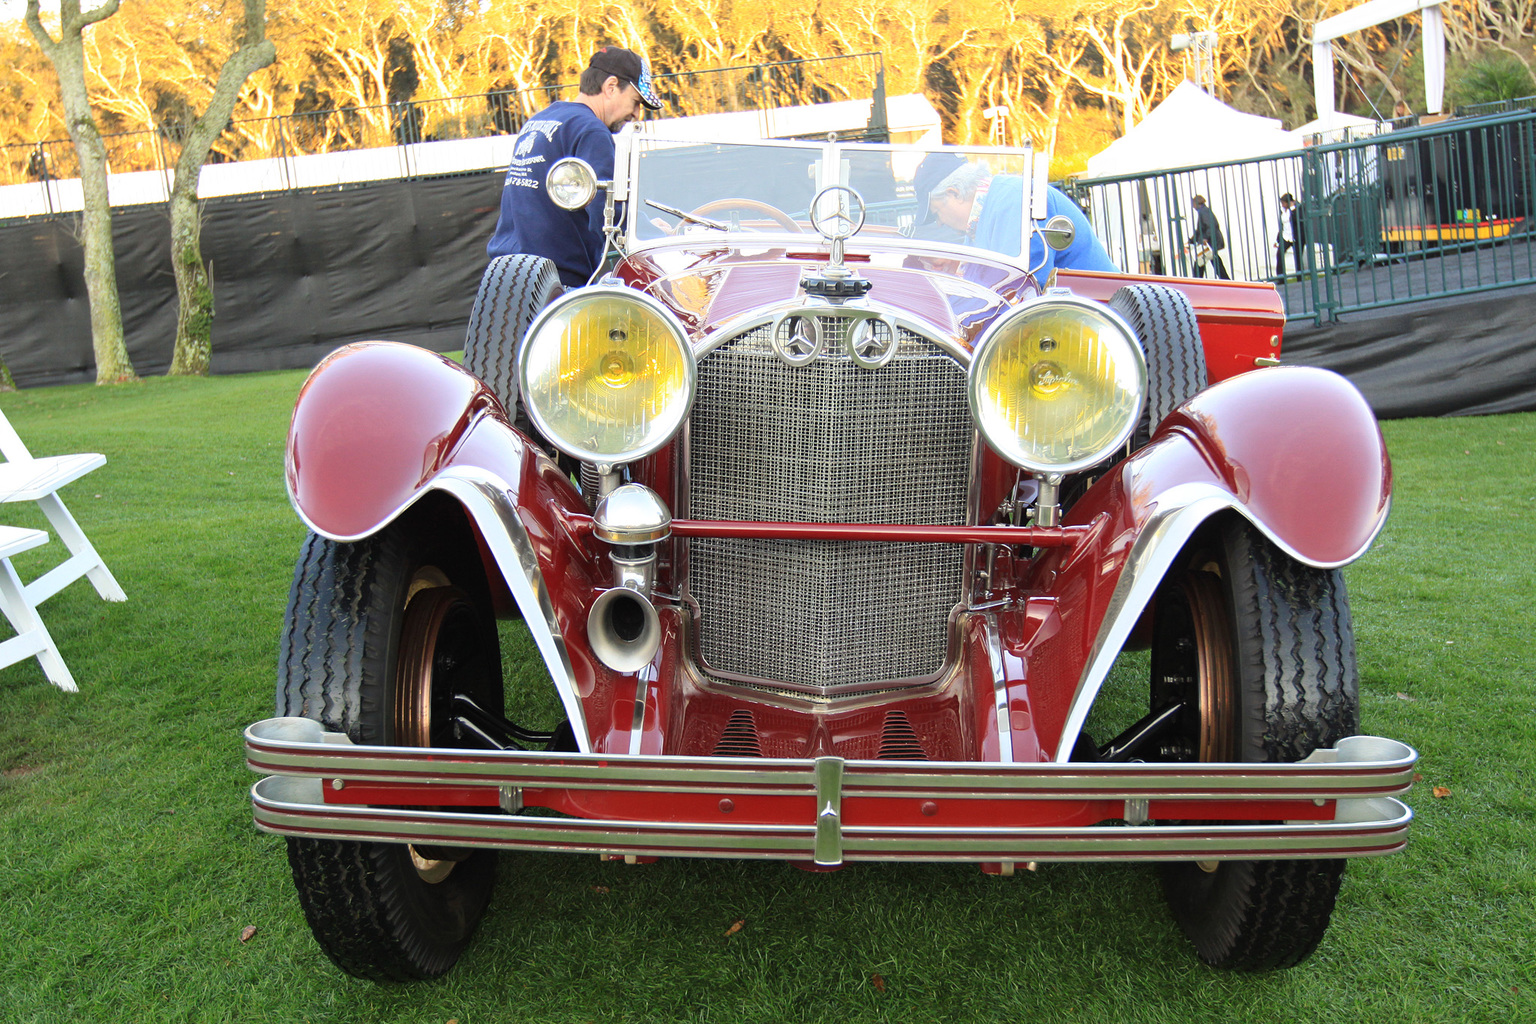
<point>194,279</point>
<point>68,57</point>
<point>112,364</point>
<point>194,287</point>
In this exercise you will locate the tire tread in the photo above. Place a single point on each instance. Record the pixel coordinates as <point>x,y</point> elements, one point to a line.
<point>368,910</point>
<point>1165,324</point>
<point>512,292</point>
<point>1297,663</point>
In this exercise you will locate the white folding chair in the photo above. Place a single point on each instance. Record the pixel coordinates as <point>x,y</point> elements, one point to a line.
<point>24,478</point>
<point>32,638</point>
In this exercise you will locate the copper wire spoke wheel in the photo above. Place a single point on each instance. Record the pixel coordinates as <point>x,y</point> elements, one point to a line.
<point>777,215</point>
<point>438,639</point>
<point>1212,635</point>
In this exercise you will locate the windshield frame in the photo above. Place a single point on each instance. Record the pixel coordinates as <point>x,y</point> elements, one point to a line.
<point>820,156</point>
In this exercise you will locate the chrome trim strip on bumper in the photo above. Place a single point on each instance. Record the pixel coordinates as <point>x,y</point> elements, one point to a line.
<point>1362,773</point>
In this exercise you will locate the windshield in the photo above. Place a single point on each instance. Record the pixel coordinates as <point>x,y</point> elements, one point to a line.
<point>967,197</point>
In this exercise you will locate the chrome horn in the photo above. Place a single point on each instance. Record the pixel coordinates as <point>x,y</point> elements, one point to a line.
<point>622,625</point>
<point>623,629</point>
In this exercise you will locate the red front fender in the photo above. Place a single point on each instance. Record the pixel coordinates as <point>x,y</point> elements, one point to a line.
<point>1298,448</point>
<point>372,425</point>
<point>1296,451</point>
<point>379,425</point>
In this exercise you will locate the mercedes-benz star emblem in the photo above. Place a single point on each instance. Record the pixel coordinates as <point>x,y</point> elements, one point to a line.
<point>837,213</point>
<point>796,339</point>
<point>872,342</point>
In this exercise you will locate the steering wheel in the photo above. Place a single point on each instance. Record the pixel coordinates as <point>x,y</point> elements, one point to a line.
<point>773,213</point>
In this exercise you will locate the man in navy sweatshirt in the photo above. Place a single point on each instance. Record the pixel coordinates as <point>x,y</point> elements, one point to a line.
<point>617,81</point>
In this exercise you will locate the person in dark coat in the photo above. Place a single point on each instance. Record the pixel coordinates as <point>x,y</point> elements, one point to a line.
<point>1208,233</point>
<point>1289,237</point>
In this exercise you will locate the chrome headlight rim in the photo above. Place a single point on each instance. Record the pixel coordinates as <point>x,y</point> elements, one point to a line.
<point>563,174</point>
<point>986,347</point>
<point>675,330</point>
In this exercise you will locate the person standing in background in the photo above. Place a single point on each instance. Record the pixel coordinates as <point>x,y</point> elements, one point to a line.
<point>1289,237</point>
<point>1208,233</point>
<point>611,91</point>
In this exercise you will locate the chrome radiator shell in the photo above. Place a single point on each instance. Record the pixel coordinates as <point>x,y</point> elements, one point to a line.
<point>828,442</point>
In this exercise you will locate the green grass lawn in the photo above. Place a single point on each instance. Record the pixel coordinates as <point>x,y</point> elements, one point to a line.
<point>129,865</point>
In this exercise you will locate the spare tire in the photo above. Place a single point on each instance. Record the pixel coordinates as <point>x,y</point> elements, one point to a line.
<point>513,291</point>
<point>1164,321</point>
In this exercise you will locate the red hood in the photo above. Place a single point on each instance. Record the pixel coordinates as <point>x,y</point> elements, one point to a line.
<point>710,288</point>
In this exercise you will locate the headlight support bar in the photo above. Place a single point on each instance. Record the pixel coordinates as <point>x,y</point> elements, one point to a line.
<point>1030,536</point>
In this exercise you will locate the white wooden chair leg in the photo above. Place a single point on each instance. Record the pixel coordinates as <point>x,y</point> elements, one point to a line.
<point>83,561</point>
<point>32,637</point>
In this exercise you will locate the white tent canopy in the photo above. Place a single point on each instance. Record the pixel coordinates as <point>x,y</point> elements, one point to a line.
<point>1190,128</point>
<point>1146,224</point>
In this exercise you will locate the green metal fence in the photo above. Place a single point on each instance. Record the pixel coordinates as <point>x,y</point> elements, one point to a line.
<point>1401,216</point>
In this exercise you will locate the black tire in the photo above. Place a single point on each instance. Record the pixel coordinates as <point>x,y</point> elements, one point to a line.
<point>1260,649</point>
<point>513,290</point>
<point>377,636</point>
<point>1164,321</point>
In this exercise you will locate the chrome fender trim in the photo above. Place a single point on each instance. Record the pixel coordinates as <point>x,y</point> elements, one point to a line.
<point>1178,513</point>
<point>490,504</point>
<point>488,501</point>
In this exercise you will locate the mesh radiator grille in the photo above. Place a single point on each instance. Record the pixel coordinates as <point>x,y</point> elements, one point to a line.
<point>828,442</point>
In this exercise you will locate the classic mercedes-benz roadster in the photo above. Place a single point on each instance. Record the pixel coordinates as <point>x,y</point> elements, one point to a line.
<point>829,526</point>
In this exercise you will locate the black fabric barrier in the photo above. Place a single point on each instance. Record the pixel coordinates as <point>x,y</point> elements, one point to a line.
<point>295,274</point>
<point>298,273</point>
<point>1461,356</point>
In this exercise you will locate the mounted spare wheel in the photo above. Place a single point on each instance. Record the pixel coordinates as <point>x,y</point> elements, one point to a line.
<point>1259,652</point>
<point>513,290</point>
<point>379,637</point>
<point>1164,322</point>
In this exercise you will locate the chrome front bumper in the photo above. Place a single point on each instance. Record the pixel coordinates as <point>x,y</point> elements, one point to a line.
<point>841,810</point>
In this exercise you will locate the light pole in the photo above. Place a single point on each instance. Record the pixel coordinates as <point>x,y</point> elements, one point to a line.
<point>997,124</point>
<point>1199,48</point>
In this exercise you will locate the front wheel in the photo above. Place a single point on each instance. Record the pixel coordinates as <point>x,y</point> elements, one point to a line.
<point>378,638</point>
<point>1259,650</point>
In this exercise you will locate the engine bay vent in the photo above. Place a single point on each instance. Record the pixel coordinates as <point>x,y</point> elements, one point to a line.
<point>898,740</point>
<point>740,737</point>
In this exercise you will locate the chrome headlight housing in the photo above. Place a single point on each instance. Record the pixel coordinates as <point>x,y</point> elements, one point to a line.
<point>1057,384</point>
<point>571,183</point>
<point>607,374</point>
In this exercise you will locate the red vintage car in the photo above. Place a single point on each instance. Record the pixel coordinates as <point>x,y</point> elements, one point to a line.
<point>828,527</point>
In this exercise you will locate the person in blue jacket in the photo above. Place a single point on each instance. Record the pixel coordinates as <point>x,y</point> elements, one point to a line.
<point>989,211</point>
<point>611,91</point>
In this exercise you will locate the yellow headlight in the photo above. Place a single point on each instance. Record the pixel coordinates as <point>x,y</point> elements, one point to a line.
<point>607,374</point>
<point>1057,385</point>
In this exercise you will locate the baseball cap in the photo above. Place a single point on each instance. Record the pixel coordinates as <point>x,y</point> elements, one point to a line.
<point>933,170</point>
<point>629,66</point>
